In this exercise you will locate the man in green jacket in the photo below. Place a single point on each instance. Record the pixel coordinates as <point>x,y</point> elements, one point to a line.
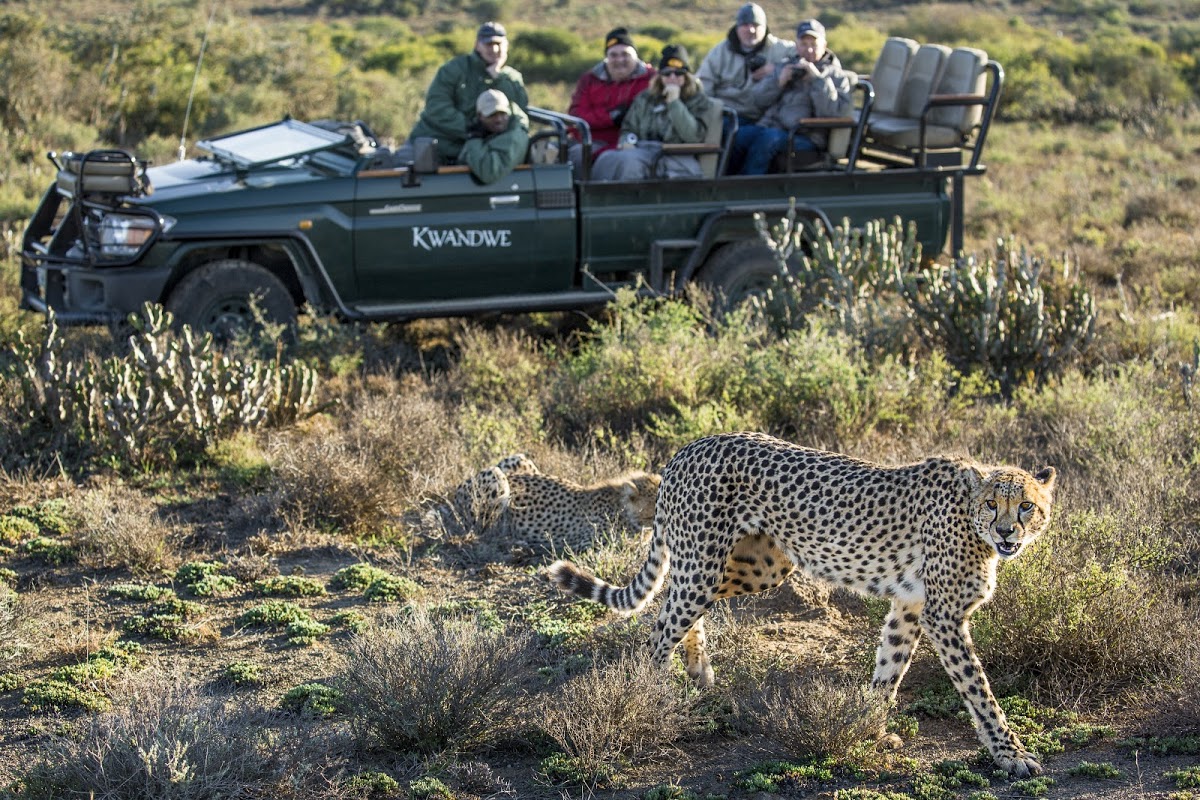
<point>498,140</point>
<point>450,102</point>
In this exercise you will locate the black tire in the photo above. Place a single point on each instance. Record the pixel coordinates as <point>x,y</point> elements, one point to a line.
<point>740,271</point>
<point>216,297</point>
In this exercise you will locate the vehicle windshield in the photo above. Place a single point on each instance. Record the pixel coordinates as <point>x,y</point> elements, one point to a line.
<point>270,143</point>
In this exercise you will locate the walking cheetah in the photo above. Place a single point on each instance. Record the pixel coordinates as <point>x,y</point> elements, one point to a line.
<point>737,513</point>
<point>544,513</point>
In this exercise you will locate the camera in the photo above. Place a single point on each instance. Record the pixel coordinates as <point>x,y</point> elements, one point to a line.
<point>755,62</point>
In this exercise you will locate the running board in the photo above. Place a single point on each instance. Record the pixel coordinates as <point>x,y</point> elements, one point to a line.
<point>556,301</point>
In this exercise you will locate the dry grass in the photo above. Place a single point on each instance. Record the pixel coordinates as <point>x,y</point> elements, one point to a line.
<point>434,684</point>
<point>815,714</point>
<point>164,740</point>
<point>616,713</point>
<point>14,625</point>
<point>120,527</point>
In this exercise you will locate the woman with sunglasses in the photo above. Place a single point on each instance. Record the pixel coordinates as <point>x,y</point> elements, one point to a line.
<point>672,110</point>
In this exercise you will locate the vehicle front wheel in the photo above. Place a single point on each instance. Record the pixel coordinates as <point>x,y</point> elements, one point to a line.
<point>230,297</point>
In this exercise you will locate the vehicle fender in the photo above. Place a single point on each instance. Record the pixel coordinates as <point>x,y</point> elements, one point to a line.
<point>289,255</point>
<point>736,223</point>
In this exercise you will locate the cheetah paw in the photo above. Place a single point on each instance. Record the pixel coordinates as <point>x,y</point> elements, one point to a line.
<point>1019,765</point>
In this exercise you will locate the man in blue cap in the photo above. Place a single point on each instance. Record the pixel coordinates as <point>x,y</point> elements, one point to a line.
<point>812,84</point>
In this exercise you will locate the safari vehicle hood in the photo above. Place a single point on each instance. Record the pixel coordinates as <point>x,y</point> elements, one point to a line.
<point>284,153</point>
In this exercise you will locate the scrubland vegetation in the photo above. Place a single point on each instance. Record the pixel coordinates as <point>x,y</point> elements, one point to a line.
<point>220,576</point>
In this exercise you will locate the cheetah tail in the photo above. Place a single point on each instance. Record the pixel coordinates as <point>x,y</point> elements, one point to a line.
<point>629,599</point>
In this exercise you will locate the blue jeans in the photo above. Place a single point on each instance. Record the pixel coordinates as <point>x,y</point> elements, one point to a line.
<point>755,147</point>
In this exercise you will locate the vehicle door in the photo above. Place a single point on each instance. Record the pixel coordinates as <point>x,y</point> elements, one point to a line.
<point>445,236</point>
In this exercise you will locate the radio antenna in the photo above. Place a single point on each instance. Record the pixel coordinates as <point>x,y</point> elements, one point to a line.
<point>187,114</point>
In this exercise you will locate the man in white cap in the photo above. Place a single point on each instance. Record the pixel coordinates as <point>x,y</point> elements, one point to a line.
<point>749,54</point>
<point>450,102</point>
<point>498,139</point>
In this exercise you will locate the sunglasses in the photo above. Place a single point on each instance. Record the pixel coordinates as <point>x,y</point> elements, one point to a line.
<point>673,73</point>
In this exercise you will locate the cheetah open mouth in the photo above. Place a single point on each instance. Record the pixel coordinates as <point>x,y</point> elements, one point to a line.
<point>1007,549</point>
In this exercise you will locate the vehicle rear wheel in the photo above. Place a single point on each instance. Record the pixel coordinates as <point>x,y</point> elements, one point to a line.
<point>222,297</point>
<point>740,271</point>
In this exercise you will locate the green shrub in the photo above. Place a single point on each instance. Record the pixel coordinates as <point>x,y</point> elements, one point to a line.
<point>313,700</point>
<point>288,586</point>
<point>49,694</point>
<point>213,585</point>
<point>1079,613</point>
<point>243,673</point>
<point>304,632</point>
<point>75,686</point>
<point>429,788</point>
<point>169,619</point>
<point>51,516</point>
<point>392,589</point>
<point>357,577</point>
<point>14,530</point>
<point>140,592</point>
<point>51,551</point>
<point>1089,769</point>
<point>274,614</point>
<point>1186,778</point>
<point>352,621</point>
<point>373,784</point>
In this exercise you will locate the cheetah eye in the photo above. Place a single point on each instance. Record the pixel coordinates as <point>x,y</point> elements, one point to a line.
<point>1027,506</point>
<point>991,504</point>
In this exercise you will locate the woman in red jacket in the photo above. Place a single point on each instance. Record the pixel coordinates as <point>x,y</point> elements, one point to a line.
<point>604,93</point>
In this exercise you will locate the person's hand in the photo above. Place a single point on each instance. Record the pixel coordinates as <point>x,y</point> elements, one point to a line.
<point>764,71</point>
<point>494,69</point>
<point>671,92</point>
<point>785,73</point>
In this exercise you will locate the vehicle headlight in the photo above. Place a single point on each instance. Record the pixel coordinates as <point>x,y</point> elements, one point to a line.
<point>126,234</point>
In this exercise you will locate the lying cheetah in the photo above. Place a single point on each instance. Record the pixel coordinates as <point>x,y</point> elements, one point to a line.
<point>737,513</point>
<point>543,513</point>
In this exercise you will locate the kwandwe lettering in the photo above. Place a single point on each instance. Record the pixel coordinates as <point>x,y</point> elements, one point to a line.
<point>428,238</point>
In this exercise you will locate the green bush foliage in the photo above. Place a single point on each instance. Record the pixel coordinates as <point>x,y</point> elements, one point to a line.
<point>356,577</point>
<point>274,614</point>
<point>392,589</point>
<point>313,700</point>
<point>288,586</point>
<point>1010,317</point>
<point>1007,315</point>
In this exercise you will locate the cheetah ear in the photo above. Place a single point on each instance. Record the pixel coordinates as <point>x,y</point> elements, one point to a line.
<point>1046,477</point>
<point>972,477</point>
<point>647,483</point>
